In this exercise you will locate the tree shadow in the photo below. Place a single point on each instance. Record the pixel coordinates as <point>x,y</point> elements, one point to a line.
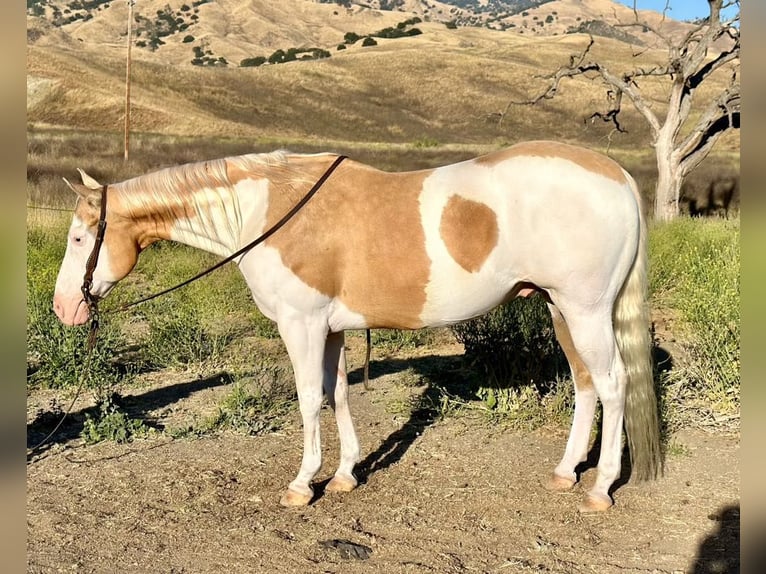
<point>719,553</point>
<point>134,405</point>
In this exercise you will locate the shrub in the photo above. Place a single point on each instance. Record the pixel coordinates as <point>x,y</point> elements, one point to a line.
<point>250,62</point>
<point>514,345</point>
<point>351,37</point>
<point>277,57</point>
<point>188,38</point>
<point>369,41</point>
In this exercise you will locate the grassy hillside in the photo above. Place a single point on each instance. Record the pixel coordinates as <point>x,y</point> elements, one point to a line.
<point>445,84</point>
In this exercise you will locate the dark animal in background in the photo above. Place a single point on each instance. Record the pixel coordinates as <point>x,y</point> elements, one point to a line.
<point>712,197</point>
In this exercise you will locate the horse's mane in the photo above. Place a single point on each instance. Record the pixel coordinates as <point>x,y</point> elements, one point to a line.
<point>189,177</point>
<point>172,191</point>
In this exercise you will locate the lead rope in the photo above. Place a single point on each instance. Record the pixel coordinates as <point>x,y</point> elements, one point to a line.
<point>86,368</point>
<point>366,381</point>
<point>272,230</point>
<point>92,302</point>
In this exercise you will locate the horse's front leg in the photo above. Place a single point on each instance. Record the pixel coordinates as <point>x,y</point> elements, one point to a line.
<point>305,339</point>
<point>336,388</point>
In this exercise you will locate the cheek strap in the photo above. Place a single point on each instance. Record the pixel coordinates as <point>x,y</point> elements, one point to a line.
<point>90,265</point>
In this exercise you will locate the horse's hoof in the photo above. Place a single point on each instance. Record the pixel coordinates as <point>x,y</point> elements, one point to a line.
<point>292,498</point>
<point>556,483</point>
<point>595,503</point>
<point>341,484</point>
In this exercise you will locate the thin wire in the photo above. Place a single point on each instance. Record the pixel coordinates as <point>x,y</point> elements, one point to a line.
<point>50,208</point>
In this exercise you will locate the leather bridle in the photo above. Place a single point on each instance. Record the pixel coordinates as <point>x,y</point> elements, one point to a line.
<point>90,266</point>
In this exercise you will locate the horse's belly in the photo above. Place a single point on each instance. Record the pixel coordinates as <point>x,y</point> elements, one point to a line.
<point>458,296</point>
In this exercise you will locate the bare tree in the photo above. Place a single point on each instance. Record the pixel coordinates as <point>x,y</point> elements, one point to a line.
<point>690,62</point>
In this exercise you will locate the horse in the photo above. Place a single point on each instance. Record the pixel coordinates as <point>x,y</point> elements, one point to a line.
<point>407,250</point>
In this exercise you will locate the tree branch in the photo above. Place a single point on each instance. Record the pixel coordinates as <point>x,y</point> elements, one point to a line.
<point>626,85</point>
<point>722,114</point>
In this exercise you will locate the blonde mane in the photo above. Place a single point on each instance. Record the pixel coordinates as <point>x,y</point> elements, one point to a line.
<point>199,190</point>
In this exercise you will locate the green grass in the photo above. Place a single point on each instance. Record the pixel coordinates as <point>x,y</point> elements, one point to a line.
<point>257,403</point>
<point>695,269</point>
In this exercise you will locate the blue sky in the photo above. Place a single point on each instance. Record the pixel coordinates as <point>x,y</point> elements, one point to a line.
<point>679,9</point>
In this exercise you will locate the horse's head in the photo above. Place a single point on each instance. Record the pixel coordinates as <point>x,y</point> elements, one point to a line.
<point>117,257</point>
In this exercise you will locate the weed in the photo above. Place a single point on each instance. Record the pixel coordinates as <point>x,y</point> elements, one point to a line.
<point>425,142</point>
<point>395,340</point>
<point>255,407</point>
<point>111,424</point>
<point>695,270</point>
<point>675,448</point>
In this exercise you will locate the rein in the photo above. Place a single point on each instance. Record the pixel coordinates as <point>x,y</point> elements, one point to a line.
<point>271,231</point>
<point>90,266</point>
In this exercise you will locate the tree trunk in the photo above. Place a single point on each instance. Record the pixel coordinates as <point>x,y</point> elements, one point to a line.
<point>669,180</point>
<point>669,173</point>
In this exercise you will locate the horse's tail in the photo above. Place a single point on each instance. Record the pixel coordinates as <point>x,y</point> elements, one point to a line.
<point>631,326</point>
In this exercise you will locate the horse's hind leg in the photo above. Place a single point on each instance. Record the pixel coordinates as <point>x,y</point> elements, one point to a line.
<point>564,476</point>
<point>336,389</point>
<point>593,338</point>
<point>305,339</point>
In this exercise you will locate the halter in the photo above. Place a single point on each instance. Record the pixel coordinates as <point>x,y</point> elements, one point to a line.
<point>90,266</point>
<point>92,302</point>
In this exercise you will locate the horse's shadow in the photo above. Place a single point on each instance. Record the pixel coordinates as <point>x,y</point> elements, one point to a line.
<point>451,375</point>
<point>456,379</point>
<point>442,374</point>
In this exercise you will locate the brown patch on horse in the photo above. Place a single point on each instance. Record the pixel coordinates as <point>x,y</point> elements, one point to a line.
<point>580,373</point>
<point>469,230</point>
<point>360,238</point>
<point>587,159</point>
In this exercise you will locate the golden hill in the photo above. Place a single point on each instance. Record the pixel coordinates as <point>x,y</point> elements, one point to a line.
<point>444,85</point>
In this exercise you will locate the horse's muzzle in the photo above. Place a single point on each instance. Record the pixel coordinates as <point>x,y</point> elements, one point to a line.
<point>70,311</point>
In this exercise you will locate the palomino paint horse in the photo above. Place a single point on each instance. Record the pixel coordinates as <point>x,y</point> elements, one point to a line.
<point>408,250</point>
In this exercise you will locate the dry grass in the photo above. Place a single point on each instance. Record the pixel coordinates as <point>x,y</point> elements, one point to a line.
<point>447,85</point>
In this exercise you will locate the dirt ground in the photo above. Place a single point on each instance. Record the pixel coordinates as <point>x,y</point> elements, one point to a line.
<point>446,495</point>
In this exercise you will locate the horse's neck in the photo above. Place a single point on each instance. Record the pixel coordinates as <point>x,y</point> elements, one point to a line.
<point>207,218</point>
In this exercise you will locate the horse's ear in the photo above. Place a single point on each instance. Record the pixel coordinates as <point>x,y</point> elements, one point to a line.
<point>88,194</point>
<point>88,181</point>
